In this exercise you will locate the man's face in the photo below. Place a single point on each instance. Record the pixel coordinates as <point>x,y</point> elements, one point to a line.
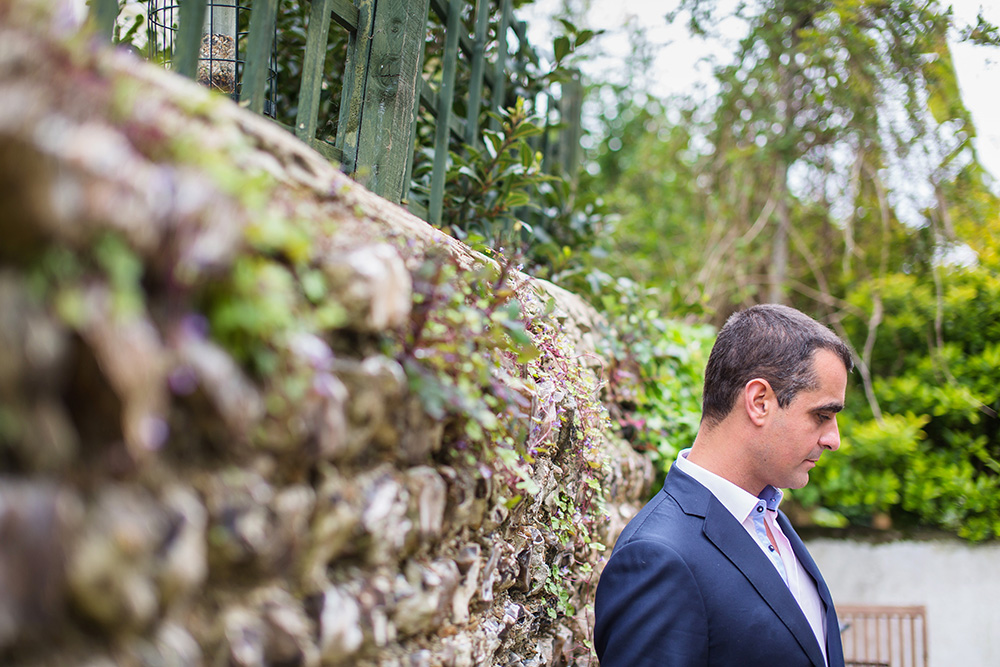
<point>797,435</point>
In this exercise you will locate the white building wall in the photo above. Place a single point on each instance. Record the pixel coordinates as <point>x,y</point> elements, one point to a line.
<point>958,583</point>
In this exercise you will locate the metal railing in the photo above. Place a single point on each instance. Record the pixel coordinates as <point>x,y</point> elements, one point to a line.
<point>384,86</point>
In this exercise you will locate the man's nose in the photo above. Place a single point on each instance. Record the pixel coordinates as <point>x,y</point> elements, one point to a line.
<point>831,436</point>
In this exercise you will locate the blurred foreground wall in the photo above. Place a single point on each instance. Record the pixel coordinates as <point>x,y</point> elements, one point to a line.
<point>250,413</point>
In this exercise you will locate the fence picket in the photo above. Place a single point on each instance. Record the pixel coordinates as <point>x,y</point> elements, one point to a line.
<point>499,69</point>
<point>482,18</point>
<point>570,106</point>
<point>407,153</point>
<point>192,18</point>
<point>345,14</point>
<point>104,14</point>
<point>383,85</point>
<point>317,37</point>
<point>445,99</point>
<point>353,94</point>
<point>262,18</point>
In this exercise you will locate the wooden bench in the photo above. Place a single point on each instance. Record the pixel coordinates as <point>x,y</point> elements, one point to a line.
<point>883,636</point>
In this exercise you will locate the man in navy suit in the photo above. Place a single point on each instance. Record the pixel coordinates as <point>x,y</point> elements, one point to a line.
<point>710,572</point>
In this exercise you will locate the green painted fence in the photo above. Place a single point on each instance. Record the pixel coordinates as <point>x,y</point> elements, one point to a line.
<point>384,91</point>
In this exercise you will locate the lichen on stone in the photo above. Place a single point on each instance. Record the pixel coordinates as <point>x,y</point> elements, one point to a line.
<point>253,414</point>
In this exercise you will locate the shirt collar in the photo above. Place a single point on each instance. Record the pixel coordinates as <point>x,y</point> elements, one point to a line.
<point>739,502</point>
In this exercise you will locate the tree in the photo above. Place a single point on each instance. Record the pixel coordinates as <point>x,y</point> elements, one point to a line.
<point>835,171</point>
<point>821,103</point>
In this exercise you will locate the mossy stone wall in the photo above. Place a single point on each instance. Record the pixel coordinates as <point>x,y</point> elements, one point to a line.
<point>251,414</point>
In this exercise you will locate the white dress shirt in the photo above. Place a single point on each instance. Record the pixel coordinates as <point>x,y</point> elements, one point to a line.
<point>751,512</point>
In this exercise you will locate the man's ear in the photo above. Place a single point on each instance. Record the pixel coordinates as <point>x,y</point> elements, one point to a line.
<point>757,400</point>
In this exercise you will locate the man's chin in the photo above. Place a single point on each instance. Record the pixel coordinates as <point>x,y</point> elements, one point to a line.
<point>799,481</point>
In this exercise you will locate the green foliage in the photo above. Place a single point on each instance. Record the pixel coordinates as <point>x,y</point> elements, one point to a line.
<point>124,32</point>
<point>510,191</point>
<point>292,25</point>
<point>565,47</point>
<point>474,357</point>
<point>510,391</point>
<point>656,371</point>
<point>791,159</point>
<point>62,275</point>
<point>448,354</point>
<point>251,308</point>
<point>934,457</point>
<point>865,475</point>
<point>123,269</point>
<point>985,32</point>
<point>573,526</point>
<point>274,290</point>
<point>487,189</point>
<point>655,226</point>
<point>974,211</point>
<point>820,103</point>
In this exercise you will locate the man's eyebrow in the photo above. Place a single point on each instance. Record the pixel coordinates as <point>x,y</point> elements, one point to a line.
<point>829,407</point>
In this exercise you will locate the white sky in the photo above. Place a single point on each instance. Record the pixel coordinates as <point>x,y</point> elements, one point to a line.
<point>978,69</point>
<point>679,66</point>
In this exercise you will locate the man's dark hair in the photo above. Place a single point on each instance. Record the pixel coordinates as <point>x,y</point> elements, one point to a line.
<point>769,341</point>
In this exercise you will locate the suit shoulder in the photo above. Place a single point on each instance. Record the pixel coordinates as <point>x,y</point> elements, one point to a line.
<point>661,520</point>
<point>649,608</point>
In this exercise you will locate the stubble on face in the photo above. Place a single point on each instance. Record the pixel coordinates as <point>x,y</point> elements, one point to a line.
<point>798,434</point>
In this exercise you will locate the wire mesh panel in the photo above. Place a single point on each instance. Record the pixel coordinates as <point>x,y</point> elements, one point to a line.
<point>222,52</point>
<point>884,636</point>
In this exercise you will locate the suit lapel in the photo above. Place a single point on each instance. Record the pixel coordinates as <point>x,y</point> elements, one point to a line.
<point>807,562</point>
<point>834,649</point>
<point>726,533</point>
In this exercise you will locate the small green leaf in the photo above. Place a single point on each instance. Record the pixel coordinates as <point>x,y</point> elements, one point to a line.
<point>569,26</point>
<point>509,457</point>
<point>470,173</point>
<point>515,199</point>
<point>561,47</point>
<point>527,354</point>
<point>494,142</point>
<point>474,430</point>
<point>583,37</point>
<point>529,486</point>
<point>314,285</point>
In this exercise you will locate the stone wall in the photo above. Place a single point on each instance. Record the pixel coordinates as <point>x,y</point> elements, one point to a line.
<point>250,414</point>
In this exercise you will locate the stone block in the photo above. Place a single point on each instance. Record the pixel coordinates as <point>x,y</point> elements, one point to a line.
<point>36,525</point>
<point>133,554</point>
<point>340,631</point>
<point>372,284</point>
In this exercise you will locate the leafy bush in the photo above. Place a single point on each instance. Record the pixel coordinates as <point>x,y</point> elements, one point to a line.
<point>934,457</point>
<point>487,189</point>
<point>656,370</point>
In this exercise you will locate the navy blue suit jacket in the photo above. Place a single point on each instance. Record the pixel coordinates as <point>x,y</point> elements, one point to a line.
<point>686,585</point>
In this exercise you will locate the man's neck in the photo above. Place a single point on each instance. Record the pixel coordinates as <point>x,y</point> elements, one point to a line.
<point>716,449</point>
